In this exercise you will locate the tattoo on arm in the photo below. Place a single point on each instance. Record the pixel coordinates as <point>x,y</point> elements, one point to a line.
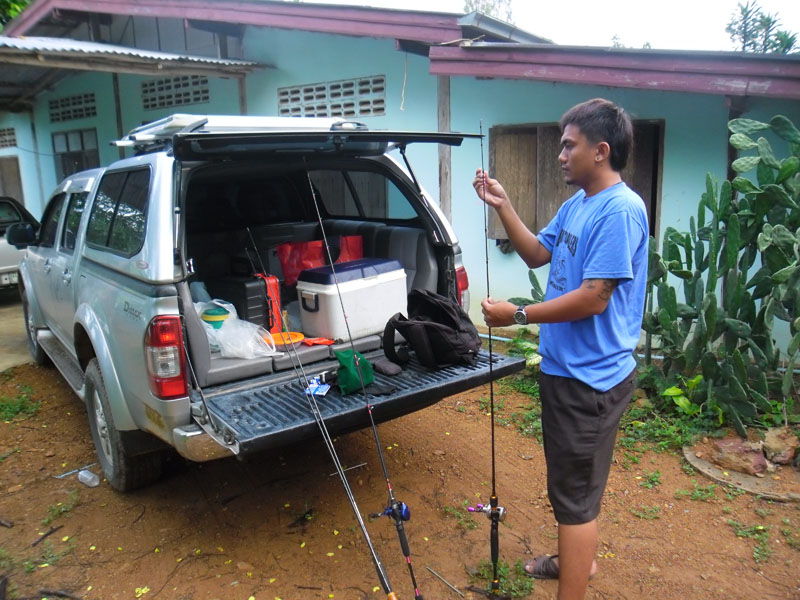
<point>604,287</point>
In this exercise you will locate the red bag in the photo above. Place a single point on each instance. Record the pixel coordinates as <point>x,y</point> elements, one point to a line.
<point>299,256</point>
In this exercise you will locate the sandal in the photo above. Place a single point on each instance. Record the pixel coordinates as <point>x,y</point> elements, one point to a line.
<point>542,567</point>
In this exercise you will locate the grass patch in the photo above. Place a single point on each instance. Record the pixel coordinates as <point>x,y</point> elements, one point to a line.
<point>732,492</point>
<point>647,513</point>
<point>760,533</point>
<point>703,493</point>
<point>461,515</point>
<point>651,480</point>
<point>61,508</point>
<point>20,406</point>
<point>514,583</point>
<point>641,427</point>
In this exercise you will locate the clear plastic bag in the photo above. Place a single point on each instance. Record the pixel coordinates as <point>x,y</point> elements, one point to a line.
<point>236,338</point>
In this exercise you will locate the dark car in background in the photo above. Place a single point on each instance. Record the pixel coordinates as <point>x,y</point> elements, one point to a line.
<point>11,212</point>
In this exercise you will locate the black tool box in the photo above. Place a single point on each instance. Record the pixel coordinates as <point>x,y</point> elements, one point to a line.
<point>247,294</point>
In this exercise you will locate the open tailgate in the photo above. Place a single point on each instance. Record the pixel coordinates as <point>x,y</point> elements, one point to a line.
<point>278,413</point>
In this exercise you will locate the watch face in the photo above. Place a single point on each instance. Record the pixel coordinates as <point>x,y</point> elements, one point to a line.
<point>520,316</point>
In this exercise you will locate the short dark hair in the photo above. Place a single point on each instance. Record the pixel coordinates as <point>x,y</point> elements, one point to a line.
<point>603,121</point>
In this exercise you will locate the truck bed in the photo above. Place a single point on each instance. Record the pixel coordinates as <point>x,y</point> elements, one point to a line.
<point>278,413</point>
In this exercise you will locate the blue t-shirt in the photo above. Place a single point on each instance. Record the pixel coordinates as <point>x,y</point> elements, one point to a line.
<point>601,237</point>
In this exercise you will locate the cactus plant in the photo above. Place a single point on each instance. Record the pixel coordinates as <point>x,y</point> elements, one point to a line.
<point>739,224</point>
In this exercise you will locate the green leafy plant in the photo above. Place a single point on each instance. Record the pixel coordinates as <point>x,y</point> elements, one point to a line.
<point>740,271</point>
<point>681,398</point>
<point>647,512</point>
<point>514,583</point>
<point>19,406</point>
<point>61,508</point>
<point>703,493</point>
<point>461,515</point>
<point>524,344</point>
<point>760,533</point>
<point>651,480</point>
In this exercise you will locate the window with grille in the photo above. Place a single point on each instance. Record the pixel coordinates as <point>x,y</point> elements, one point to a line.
<point>68,108</point>
<point>75,151</point>
<point>362,97</point>
<point>175,91</point>
<point>8,137</point>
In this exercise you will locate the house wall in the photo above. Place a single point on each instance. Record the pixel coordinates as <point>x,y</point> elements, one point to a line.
<point>695,143</point>
<point>305,58</point>
<point>27,156</point>
<point>38,169</point>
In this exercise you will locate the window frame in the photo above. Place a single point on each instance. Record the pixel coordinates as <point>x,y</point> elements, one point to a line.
<point>537,217</point>
<point>73,197</point>
<point>108,234</point>
<point>59,200</point>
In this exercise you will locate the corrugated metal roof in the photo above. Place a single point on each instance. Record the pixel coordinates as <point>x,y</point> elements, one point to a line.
<point>64,46</point>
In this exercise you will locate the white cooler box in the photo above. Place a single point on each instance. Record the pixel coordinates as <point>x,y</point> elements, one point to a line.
<point>373,290</point>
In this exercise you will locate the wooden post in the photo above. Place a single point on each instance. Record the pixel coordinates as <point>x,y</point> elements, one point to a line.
<point>445,174</point>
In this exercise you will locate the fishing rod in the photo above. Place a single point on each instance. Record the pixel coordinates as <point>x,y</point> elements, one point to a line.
<point>493,510</point>
<point>398,511</point>
<point>310,394</point>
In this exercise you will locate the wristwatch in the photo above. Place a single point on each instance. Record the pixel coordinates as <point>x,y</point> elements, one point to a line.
<point>520,316</point>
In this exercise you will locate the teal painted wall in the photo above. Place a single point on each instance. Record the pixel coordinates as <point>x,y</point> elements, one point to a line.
<point>695,143</point>
<point>306,58</point>
<point>28,157</point>
<point>37,166</point>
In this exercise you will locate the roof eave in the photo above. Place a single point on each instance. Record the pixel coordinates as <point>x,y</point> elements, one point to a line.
<point>709,73</point>
<point>344,20</point>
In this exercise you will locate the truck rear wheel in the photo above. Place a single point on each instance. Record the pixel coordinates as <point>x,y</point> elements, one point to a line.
<point>123,470</point>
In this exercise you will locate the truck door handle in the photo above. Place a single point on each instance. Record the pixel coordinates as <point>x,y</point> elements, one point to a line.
<point>47,266</point>
<point>66,276</point>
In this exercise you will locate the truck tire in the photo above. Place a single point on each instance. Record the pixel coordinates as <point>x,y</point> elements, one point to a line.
<point>39,355</point>
<point>123,471</point>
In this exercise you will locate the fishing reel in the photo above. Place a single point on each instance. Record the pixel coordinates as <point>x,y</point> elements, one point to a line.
<point>398,511</point>
<point>485,508</point>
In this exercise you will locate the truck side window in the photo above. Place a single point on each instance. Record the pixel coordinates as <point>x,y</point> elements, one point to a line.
<point>47,235</point>
<point>73,219</point>
<point>117,220</point>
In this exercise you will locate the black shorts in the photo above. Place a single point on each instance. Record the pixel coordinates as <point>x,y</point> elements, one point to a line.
<point>580,427</point>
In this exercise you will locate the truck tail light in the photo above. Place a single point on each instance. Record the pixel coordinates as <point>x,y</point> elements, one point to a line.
<point>462,283</point>
<point>166,364</point>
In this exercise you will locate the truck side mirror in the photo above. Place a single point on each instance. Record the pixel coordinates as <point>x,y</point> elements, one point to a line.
<point>21,235</point>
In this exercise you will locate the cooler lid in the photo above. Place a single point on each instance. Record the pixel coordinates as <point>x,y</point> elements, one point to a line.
<point>350,271</point>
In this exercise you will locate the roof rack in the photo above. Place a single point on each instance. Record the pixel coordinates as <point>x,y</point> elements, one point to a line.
<point>158,135</point>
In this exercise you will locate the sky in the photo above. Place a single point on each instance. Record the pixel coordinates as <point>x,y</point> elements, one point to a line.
<point>670,24</point>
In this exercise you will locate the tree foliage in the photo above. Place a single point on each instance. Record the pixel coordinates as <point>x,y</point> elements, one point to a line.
<point>10,9</point>
<point>752,30</point>
<point>500,9</point>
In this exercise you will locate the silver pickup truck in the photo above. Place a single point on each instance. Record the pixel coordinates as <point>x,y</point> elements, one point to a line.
<point>106,282</point>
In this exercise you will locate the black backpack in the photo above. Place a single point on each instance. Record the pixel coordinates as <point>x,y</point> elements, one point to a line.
<point>437,329</point>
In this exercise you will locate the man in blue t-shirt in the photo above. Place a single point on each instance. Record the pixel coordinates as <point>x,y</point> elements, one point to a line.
<point>590,322</point>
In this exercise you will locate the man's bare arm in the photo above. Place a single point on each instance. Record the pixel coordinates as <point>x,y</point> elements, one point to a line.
<point>590,299</point>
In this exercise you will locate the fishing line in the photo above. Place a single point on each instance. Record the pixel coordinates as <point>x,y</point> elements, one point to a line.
<point>399,511</point>
<point>495,512</point>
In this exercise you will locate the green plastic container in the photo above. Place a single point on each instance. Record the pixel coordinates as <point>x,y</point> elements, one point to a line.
<point>215,316</point>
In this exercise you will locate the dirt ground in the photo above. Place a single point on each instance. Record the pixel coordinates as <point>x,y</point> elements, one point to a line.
<point>234,530</point>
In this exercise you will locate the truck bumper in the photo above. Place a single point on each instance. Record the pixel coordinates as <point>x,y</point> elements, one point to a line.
<point>195,444</point>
